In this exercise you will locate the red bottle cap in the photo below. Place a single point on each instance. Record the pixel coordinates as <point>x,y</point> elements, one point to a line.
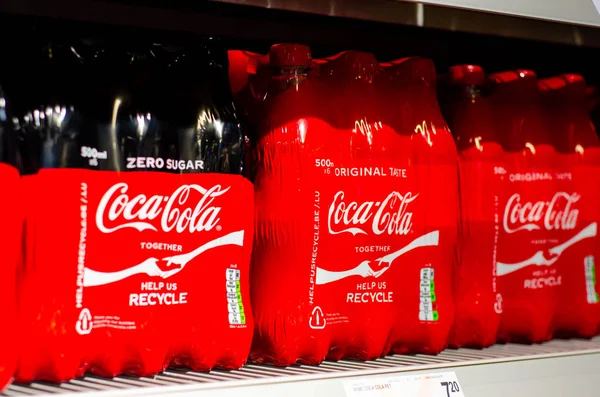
<point>290,55</point>
<point>512,75</point>
<point>552,83</point>
<point>572,78</point>
<point>564,80</point>
<point>467,75</point>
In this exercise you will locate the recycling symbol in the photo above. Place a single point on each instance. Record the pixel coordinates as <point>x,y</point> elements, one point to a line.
<point>317,320</point>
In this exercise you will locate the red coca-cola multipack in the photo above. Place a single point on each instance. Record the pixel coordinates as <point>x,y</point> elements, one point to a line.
<point>470,114</point>
<point>354,248</point>
<point>578,168</point>
<point>138,242</point>
<point>10,240</point>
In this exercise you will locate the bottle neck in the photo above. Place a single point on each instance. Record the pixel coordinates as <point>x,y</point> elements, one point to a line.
<point>466,92</point>
<point>288,76</point>
<point>290,72</point>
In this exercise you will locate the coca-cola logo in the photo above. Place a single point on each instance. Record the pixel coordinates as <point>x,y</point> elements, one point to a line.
<point>190,208</point>
<point>551,215</point>
<point>388,216</point>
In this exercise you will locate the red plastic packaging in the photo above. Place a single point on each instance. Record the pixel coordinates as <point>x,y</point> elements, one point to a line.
<point>149,249</point>
<point>574,137</point>
<point>10,246</point>
<point>478,301</point>
<point>424,304</point>
<point>531,211</point>
<point>339,219</point>
<point>372,211</point>
<point>138,230</point>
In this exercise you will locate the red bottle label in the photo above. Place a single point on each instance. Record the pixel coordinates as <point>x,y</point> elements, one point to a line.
<point>10,244</point>
<point>145,270</point>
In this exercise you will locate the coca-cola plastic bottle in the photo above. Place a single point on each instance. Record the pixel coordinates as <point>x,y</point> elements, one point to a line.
<point>478,302</point>
<point>367,192</point>
<point>156,251</point>
<point>577,172</point>
<point>529,210</point>
<point>425,307</point>
<point>10,240</point>
<point>290,325</point>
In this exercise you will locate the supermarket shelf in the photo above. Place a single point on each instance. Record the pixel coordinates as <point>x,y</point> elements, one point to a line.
<point>556,368</point>
<point>573,22</point>
<point>580,12</point>
<point>584,12</point>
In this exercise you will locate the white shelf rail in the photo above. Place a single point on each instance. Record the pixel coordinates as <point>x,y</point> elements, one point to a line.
<point>326,379</point>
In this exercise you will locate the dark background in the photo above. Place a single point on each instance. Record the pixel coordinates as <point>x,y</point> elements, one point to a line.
<point>28,22</point>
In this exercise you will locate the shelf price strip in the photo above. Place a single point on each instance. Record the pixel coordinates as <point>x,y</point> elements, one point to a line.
<point>444,384</point>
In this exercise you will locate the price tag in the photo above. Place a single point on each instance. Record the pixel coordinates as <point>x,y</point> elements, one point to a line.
<point>443,384</point>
